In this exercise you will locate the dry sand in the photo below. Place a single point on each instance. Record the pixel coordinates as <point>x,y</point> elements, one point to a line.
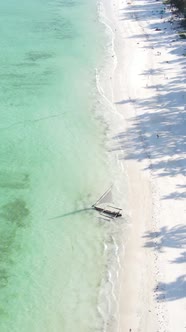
<point>148,133</point>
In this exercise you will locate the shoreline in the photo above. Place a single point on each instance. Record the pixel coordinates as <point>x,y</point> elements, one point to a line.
<point>147,129</point>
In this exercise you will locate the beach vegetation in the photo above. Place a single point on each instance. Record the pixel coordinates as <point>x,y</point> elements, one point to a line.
<point>180,5</point>
<point>166,2</point>
<point>182,34</point>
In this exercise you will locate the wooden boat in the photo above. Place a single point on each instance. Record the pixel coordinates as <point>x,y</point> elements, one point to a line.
<point>102,206</point>
<point>112,213</point>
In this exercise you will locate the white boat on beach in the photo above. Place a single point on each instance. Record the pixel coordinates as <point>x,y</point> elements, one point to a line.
<point>103,206</point>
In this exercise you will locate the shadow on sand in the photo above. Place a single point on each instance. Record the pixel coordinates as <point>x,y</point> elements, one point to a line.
<point>174,237</point>
<point>171,291</point>
<point>158,131</point>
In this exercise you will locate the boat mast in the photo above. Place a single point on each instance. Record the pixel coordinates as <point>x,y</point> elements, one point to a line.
<point>106,192</point>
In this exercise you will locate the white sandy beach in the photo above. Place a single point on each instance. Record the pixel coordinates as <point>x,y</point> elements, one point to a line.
<point>148,135</point>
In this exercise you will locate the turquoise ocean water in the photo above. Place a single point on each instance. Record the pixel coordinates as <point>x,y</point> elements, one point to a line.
<point>52,164</point>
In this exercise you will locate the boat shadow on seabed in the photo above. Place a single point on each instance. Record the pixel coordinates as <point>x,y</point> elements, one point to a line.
<point>101,205</point>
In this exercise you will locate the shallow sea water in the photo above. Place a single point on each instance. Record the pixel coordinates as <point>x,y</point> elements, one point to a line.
<point>52,167</point>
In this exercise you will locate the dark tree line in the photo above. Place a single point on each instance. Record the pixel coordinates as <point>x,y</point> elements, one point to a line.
<point>180,4</point>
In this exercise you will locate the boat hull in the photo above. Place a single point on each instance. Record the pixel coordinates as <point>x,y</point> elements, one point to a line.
<point>114,214</point>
